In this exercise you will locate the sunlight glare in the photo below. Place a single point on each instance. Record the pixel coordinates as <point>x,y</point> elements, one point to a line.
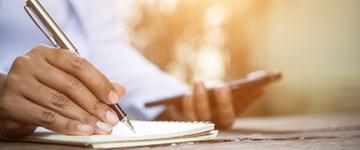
<point>168,7</point>
<point>216,15</point>
<point>209,64</point>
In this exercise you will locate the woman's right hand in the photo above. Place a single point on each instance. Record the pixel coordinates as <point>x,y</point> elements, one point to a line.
<point>59,90</point>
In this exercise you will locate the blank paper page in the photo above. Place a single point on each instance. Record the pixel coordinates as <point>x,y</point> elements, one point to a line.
<point>145,130</point>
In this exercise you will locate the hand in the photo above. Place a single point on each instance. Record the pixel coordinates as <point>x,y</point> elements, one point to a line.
<point>59,90</point>
<point>220,107</point>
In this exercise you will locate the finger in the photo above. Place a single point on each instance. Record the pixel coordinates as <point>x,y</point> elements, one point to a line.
<point>243,92</point>
<point>224,114</point>
<point>13,129</point>
<point>76,91</point>
<point>241,103</point>
<point>62,104</point>
<point>54,100</point>
<point>29,113</point>
<point>188,108</point>
<point>79,67</point>
<point>119,88</point>
<point>201,102</point>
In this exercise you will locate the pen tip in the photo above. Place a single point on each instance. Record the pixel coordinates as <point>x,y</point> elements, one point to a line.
<point>129,125</point>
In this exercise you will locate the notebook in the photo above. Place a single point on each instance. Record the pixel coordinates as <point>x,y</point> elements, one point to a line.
<point>147,133</point>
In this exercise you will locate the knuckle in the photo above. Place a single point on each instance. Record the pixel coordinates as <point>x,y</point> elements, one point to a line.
<point>97,105</point>
<point>76,61</point>
<point>39,49</point>
<point>15,82</point>
<point>105,85</point>
<point>73,83</point>
<point>21,62</point>
<point>61,101</point>
<point>90,119</point>
<point>48,117</point>
<point>68,125</point>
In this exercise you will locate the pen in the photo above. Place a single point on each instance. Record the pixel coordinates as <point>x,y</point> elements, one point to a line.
<point>59,39</point>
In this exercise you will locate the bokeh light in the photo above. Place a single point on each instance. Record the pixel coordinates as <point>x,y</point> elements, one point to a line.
<point>315,44</point>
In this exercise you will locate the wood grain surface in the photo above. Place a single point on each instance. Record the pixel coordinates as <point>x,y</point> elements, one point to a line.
<point>316,131</point>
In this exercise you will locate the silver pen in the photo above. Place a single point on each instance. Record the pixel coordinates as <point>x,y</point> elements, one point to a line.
<point>59,39</point>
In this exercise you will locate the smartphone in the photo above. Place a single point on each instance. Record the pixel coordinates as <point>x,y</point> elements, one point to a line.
<point>251,81</point>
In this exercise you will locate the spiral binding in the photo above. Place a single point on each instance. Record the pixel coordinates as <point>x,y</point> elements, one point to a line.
<point>198,122</point>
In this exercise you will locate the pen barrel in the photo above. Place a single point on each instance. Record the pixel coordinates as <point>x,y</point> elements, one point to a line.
<point>121,114</point>
<point>57,35</point>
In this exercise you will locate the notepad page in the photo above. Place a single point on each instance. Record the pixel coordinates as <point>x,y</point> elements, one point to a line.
<point>161,129</point>
<point>145,130</point>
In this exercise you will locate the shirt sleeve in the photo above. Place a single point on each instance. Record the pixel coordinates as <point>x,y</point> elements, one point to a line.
<point>108,51</point>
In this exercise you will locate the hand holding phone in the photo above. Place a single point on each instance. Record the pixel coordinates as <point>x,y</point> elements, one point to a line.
<point>219,104</point>
<point>252,80</point>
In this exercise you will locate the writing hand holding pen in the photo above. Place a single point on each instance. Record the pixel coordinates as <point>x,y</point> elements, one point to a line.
<point>59,90</point>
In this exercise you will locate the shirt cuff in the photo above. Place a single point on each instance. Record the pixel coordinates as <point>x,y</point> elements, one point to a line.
<point>148,91</point>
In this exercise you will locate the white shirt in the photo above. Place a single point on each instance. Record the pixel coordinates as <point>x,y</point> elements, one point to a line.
<point>95,27</point>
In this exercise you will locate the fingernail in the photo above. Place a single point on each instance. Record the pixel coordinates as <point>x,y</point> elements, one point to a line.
<point>113,97</point>
<point>103,126</point>
<point>112,117</point>
<point>84,127</point>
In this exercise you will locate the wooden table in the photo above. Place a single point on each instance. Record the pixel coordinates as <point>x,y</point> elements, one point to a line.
<point>316,131</point>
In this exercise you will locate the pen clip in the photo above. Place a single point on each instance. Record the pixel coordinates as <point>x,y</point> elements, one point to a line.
<point>30,12</point>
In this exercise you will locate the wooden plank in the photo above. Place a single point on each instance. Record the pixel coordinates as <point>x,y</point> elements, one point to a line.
<point>324,131</point>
